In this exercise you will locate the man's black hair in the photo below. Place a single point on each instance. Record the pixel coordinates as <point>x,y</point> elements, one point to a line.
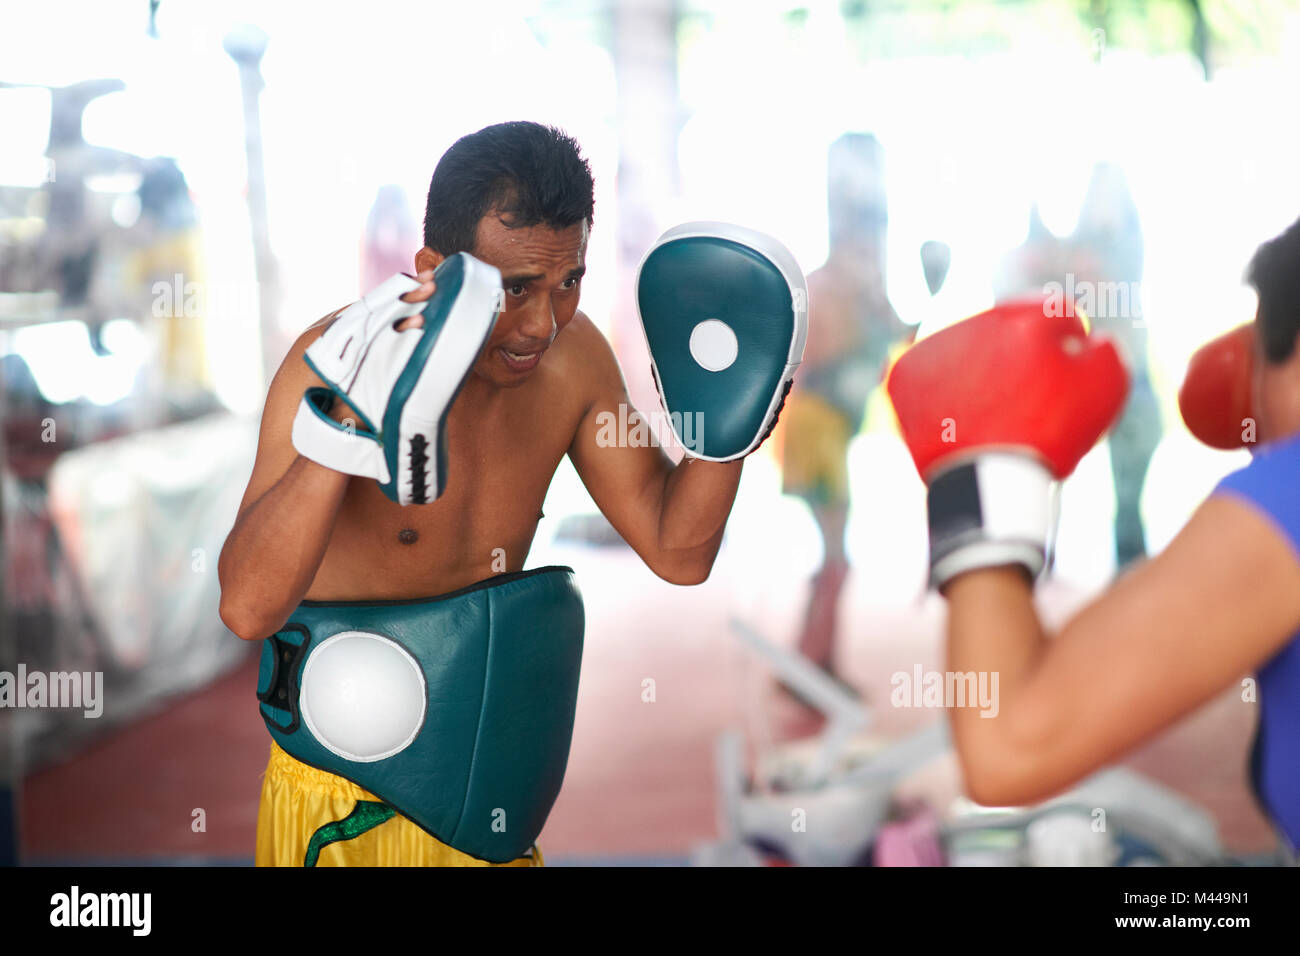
<point>1274,273</point>
<point>527,173</point>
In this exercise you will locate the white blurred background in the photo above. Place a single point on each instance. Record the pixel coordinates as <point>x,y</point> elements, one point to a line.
<point>686,109</point>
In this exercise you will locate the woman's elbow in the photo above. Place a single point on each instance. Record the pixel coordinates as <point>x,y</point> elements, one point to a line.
<point>994,779</point>
<point>990,789</point>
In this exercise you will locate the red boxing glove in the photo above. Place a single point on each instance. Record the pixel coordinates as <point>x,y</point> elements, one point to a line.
<point>1216,395</point>
<point>994,409</point>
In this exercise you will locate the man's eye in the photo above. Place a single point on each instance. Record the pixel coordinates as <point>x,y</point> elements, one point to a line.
<point>516,290</point>
<point>571,282</point>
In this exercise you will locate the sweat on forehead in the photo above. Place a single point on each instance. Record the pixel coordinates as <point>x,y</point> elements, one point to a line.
<point>495,234</point>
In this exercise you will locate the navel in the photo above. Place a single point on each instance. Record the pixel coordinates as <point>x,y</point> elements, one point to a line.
<point>408,536</point>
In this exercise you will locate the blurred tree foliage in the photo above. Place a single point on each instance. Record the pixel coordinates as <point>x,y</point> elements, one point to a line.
<point>1215,32</point>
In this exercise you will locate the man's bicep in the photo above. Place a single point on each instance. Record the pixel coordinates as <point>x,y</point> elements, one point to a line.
<point>615,455</point>
<point>1221,600</point>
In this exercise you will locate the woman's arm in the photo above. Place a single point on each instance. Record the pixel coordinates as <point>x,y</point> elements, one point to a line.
<point>1222,599</point>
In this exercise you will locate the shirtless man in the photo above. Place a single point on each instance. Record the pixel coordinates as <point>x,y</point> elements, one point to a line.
<point>482,708</point>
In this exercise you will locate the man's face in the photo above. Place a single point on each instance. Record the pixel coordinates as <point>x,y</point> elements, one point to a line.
<point>541,273</point>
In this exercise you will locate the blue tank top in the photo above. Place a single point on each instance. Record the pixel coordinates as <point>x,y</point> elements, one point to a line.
<point>1271,483</point>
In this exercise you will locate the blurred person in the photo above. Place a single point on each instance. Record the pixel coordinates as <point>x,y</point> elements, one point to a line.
<point>390,234</point>
<point>73,233</point>
<point>167,261</point>
<point>1106,251</point>
<point>1030,393</point>
<point>27,528</point>
<point>851,327</point>
<point>316,550</point>
<point>1030,266</point>
<point>1098,269</point>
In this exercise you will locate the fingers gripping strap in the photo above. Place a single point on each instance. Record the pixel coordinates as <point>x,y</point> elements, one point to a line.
<point>988,511</point>
<point>351,450</point>
<point>390,290</point>
<point>337,355</point>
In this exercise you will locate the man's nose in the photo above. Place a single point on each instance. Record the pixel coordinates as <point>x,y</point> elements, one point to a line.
<point>539,319</point>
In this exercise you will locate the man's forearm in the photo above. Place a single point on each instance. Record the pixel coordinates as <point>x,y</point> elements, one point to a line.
<point>275,548</point>
<point>697,499</point>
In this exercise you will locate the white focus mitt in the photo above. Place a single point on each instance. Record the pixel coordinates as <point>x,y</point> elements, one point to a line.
<point>400,385</point>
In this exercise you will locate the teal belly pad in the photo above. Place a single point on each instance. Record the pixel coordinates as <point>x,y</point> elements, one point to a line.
<point>482,730</point>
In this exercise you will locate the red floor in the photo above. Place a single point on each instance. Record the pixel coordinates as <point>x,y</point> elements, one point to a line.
<point>640,779</point>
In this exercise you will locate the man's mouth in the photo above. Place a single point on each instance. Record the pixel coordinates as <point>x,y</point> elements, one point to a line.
<point>520,361</point>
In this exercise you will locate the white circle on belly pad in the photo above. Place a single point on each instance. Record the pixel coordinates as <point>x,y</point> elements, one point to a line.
<point>713,345</point>
<point>362,696</point>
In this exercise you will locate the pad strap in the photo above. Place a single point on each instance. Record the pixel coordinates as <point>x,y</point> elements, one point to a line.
<point>353,450</point>
<point>278,693</point>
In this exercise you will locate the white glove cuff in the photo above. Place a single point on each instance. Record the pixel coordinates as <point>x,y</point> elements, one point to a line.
<point>990,510</point>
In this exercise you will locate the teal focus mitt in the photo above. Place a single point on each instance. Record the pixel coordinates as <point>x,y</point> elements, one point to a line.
<point>725,315</point>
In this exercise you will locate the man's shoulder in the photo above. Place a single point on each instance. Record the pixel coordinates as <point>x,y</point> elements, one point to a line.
<point>582,330</point>
<point>310,334</point>
<point>293,371</point>
<point>582,345</point>
<point>584,365</point>
<point>316,329</point>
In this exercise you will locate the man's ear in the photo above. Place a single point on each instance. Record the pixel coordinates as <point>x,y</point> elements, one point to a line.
<point>427,259</point>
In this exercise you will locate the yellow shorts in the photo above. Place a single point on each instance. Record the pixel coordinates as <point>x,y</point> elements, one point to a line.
<point>814,452</point>
<point>297,800</point>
